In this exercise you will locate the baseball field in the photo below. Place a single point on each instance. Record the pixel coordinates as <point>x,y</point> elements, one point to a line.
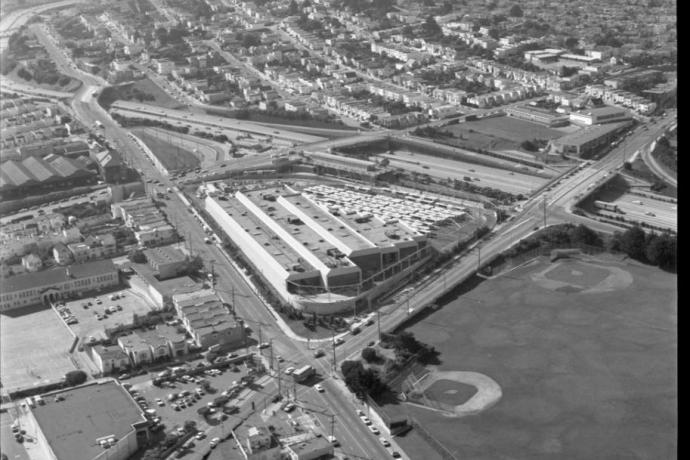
<point>572,359</point>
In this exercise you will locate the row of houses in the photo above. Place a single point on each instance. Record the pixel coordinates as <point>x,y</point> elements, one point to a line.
<point>610,95</point>
<point>146,220</point>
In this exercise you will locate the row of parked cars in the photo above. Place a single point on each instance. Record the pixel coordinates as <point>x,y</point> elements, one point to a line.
<point>385,442</point>
<point>66,314</point>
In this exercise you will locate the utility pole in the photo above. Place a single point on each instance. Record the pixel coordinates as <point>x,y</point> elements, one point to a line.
<point>234,311</point>
<point>270,355</point>
<point>378,323</point>
<point>332,424</point>
<point>479,257</point>
<point>544,203</point>
<point>333,344</point>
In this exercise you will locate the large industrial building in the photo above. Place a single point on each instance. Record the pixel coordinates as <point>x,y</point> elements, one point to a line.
<point>588,140</point>
<point>97,421</point>
<point>325,249</point>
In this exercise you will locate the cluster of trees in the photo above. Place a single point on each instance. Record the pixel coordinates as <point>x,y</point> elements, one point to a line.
<point>126,92</point>
<point>374,8</point>
<point>171,36</point>
<point>43,71</point>
<point>652,248</point>
<point>137,256</point>
<point>363,381</point>
<point>656,249</point>
<point>134,121</point>
<point>248,39</point>
<point>310,25</point>
<point>406,345</point>
<point>533,145</point>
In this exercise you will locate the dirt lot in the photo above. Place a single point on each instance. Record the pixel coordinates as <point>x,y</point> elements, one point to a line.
<point>500,133</point>
<point>35,347</point>
<point>171,154</point>
<point>589,374</point>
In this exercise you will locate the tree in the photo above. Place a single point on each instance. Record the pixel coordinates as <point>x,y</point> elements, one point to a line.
<point>584,235</point>
<point>369,354</point>
<point>431,27</point>
<point>196,264</point>
<point>571,42</point>
<point>294,8</point>
<point>632,242</point>
<point>76,377</point>
<point>516,11</point>
<point>494,33</point>
<point>137,256</point>
<point>661,250</point>
<point>189,425</point>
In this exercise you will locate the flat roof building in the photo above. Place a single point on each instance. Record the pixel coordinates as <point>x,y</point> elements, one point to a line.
<point>585,142</point>
<point>327,242</point>
<point>599,115</point>
<point>79,423</point>
<point>208,320</point>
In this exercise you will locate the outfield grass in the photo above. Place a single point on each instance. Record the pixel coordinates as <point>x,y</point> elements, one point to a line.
<point>582,375</point>
<point>172,156</point>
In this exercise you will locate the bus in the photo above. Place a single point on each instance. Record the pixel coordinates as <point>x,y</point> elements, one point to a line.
<point>303,373</point>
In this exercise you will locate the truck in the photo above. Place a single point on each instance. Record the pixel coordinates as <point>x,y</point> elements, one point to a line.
<point>303,373</point>
<point>607,206</point>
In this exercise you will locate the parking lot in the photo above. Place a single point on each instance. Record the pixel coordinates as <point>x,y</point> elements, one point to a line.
<point>128,304</point>
<point>35,347</point>
<point>190,402</point>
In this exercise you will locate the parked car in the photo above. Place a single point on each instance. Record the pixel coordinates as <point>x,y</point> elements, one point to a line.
<point>374,430</point>
<point>385,442</point>
<point>319,388</point>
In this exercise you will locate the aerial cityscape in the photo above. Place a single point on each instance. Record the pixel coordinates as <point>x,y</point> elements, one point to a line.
<point>338,229</point>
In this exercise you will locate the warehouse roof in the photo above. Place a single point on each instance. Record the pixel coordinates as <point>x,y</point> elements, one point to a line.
<point>87,413</point>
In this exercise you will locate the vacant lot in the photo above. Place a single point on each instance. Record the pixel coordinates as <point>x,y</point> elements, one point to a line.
<point>142,90</point>
<point>588,374</point>
<point>35,347</point>
<point>499,133</point>
<point>173,157</point>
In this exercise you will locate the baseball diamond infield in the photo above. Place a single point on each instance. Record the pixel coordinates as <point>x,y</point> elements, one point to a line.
<point>583,356</point>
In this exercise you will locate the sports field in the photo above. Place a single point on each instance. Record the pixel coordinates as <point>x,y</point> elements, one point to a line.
<point>500,133</point>
<point>35,347</point>
<point>584,352</point>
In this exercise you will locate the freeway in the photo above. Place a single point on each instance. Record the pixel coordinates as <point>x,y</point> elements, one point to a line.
<point>484,176</point>
<point>137,109</point>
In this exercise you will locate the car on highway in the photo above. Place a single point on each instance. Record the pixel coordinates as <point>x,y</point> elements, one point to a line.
<point>365,419</point>
<point>319,388</point>
<point>385,442</point>
<point>374,430</point>
<point>264,345</point>
<point>650,213</point>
